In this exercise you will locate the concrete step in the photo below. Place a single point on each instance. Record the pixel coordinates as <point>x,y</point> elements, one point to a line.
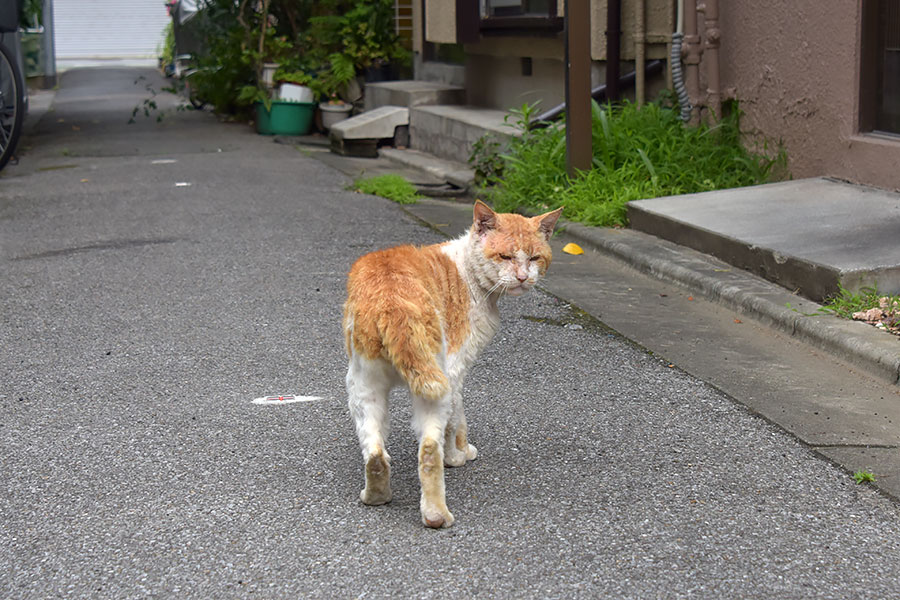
<point>411,93</point>
<point>807,235</point>
<point>449,131</point>
<point>455,173</point>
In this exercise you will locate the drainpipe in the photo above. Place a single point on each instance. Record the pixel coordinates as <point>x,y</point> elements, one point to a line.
<point>640,35</point>
<point>711,50</point>
<point>691,52</point>
<point>613,44</point>
<point>676,69</point>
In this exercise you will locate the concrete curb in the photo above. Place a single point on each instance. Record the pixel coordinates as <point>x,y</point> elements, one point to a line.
<point>862,345</point>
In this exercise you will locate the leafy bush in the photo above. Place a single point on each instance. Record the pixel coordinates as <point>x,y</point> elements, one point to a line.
<point>638,153</point>
<point>320,43</point>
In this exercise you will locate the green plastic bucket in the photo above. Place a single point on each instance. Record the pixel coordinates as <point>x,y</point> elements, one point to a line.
<point>285,118</point>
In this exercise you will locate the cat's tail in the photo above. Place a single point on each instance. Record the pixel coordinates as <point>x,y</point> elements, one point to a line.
<point>412,341</point>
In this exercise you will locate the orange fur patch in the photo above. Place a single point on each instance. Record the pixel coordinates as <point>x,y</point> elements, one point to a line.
<point>404,304</point>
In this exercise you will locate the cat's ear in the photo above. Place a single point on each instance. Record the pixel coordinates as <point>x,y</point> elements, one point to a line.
<point>548,222</point>
<point>484,219</point>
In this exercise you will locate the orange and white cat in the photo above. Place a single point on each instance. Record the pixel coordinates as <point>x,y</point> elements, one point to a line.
<point>420,316</point>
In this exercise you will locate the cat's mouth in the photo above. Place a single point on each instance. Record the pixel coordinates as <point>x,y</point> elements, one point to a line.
<point>517,289</point>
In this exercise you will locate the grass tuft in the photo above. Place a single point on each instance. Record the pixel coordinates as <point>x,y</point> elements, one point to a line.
<point>845,302</point>
<point>392,187</point>
<point>864,476</point>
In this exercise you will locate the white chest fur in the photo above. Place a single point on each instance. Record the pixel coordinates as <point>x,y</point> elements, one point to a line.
<point>484,316</point>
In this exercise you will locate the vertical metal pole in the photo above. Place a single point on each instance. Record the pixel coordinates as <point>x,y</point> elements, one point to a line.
<point>578,86</point>
<point>48,46</point>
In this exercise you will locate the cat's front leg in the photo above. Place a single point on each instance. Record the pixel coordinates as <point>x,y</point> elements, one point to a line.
<point>457,449</point>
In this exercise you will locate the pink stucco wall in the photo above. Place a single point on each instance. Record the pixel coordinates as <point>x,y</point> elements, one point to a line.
<point>794,67</point>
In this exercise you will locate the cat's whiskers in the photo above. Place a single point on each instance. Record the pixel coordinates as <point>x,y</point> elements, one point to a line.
<point>490,291</point>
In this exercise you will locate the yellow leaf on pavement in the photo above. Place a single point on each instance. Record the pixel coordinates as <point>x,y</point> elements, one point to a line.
<point>571,248</point>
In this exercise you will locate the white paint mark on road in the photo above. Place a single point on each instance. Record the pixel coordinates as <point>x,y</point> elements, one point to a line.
<point>285,399</point>
<point>163,161</point>
<point>183,184</point>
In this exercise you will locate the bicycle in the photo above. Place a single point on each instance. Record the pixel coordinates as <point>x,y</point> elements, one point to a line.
<point>12,84</point>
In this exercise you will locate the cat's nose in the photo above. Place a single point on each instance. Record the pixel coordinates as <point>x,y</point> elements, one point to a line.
<point>522,277</point>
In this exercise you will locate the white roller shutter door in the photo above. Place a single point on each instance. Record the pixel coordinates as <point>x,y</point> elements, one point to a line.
<point>108,28</point>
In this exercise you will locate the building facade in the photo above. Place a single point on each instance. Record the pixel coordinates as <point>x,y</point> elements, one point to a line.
<point>820,77</point>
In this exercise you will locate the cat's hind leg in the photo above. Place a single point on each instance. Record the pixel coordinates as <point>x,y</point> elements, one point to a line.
<point>368,384</point>
<point>430,420</point>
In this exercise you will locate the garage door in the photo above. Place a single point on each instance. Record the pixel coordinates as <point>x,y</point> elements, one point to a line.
<point>108,28</point>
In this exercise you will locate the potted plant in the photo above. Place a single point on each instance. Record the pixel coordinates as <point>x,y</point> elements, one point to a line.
<point>277,117</point>
<point>294,85</point>
<point>329,86</point>
<point>334,110</point>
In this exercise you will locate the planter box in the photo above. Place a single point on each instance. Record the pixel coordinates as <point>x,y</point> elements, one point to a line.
<point>285,118</point>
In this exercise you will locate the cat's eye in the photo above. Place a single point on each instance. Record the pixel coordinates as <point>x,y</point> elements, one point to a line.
<point>534,258</point>
<point>506,257</point>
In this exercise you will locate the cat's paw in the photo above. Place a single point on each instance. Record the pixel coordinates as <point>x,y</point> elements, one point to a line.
<point>375,497</point>
<point>453,457</point>
<point>436,517</point>
<point>378,480</point>
<point>471,452</point>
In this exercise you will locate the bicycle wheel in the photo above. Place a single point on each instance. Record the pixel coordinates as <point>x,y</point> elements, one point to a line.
<point>12,105</point>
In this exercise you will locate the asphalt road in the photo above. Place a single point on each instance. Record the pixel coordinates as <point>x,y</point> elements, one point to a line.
<point>158,277</point>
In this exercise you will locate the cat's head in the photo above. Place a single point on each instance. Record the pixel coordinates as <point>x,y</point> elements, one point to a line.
<point>513,251</point>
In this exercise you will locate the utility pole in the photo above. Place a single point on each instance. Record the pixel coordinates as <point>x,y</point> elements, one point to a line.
<point>579,154</point>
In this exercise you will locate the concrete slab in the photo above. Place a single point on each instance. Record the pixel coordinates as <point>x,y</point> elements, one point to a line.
<point>412,93</point>
<point>807,235</point>
<point>377,124</point>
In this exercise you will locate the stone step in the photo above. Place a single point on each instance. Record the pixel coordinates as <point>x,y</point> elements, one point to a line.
<point>359,135</point>
<point>450,131</point>
<point>807,235</point>
<point>411,93</point>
